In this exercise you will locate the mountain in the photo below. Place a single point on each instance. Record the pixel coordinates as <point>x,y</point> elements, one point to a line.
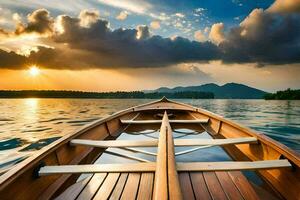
<point>227,91</point>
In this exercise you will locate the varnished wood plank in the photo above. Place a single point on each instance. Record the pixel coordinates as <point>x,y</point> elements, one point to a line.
<point>73,191</point>
<point>199,186</point>
<point>213,185</point>
<point>228,186</point>
<point>152,143</point>
<point>107,186</point>
<point>186,186</point>
<point>117,191</point>
<point>198,121</point>
<point>146,186</point>
<point>151,166</point>
<point>161,171</point>
<point>131,186</point>
<point>232,165</point>
<point>200,142</point>
<point>90,189</point>
<point>97,168</point>
<point>243,185</point>
<point>173,180</point>
<point>115,143</point>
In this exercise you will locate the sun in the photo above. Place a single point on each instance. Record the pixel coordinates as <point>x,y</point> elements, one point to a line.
<point>34,71</point>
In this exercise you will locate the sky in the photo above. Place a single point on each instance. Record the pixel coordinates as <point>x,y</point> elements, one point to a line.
<point>101,45</point>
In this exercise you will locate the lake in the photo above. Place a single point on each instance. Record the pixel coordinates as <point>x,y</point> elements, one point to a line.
<point>30,124</point>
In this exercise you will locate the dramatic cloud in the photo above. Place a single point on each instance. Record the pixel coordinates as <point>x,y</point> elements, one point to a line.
<point>217,33</point>
<point>130,47</point>
<point>285,6</point>
<point>270,36</point>
<point>155,24</point>
<point>11,60</point>
<point>199,36</point>
<point>39,21</point>
<point>97,46</point>
<point>122,15</point>
<point>264,38</point>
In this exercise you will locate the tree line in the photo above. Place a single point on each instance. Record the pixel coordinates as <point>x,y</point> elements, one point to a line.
<point>284,95</point>
<point>103,95</point>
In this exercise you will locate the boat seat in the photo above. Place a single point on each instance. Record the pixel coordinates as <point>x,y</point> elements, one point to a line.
<point>150,167</point>
<point>196,121</point>
<point>139,185</point>
<point>153,143</point>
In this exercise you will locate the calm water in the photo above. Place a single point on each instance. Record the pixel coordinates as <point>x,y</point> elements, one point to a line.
<point>30,124</point>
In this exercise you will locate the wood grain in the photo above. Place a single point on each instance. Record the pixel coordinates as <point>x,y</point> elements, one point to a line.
<point>146,186</point>
<point>90,189</point>
<point>116,193</point>
<point>186,186</point>
<point>199,186</point>
<point>131,187</point>
<point>107,186</point>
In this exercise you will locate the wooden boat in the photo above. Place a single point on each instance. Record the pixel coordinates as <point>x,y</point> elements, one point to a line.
<point>56,170</point>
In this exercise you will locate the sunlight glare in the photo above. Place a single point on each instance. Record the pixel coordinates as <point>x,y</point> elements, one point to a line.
<point>34,71</point>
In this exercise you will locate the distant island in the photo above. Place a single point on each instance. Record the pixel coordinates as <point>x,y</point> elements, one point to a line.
<point>103,95</point>
<point>284,95</point>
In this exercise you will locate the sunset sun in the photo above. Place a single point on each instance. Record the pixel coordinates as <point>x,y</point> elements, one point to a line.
<point>34,71</point>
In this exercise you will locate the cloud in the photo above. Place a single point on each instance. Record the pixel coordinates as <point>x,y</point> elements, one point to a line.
<point>98,46</point>
<point>264,37</point>
<point>168,76</point>
<point>87,41</point>
<point>39,21</point>
<point>285,6</point>
<point>122,15</point>
<point>199,36</point>
<point>88,17</point>
<point>142,32</point>
<point>155,24</point>
<point>217,33</point>
<point>206,29</point>
<point>5,16</point>
<point>180,15</point>
<point>11,60</point>
<point>130,47</point>
<point>199,10</point>
<point>178,25</point>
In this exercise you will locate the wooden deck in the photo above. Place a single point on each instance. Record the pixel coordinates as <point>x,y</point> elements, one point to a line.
<point>194,185</point>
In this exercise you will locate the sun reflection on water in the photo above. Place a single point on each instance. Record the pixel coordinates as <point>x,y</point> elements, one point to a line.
<point>31,116</point>
<point>31,104</point>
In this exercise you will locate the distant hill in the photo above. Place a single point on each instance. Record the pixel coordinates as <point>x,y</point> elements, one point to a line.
<point>227,91</point>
